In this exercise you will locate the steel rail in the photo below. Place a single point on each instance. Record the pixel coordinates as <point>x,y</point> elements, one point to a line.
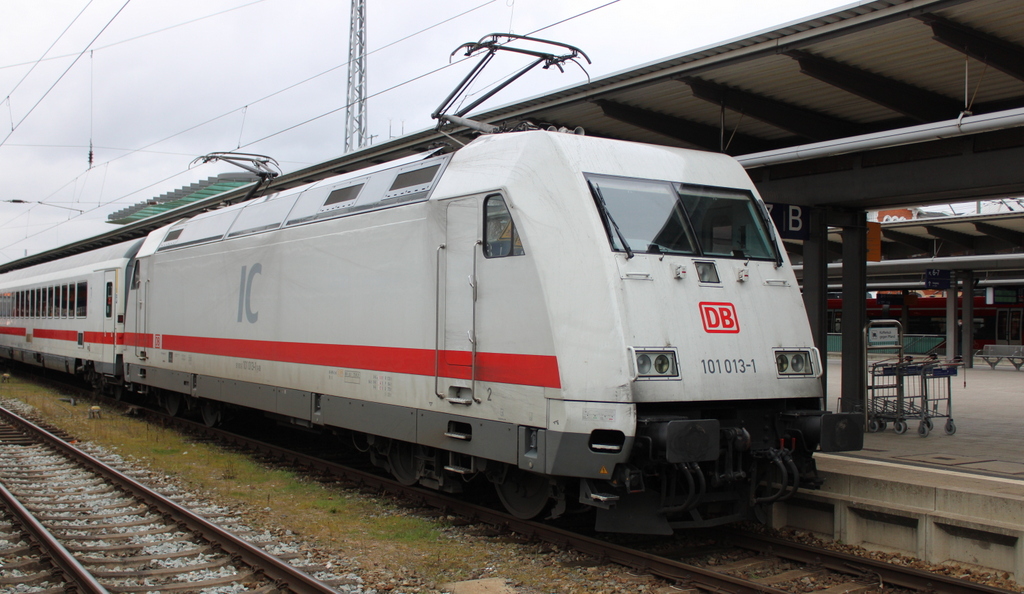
<point>907,577</point>
<point>653,564</point>
<point>660,566</point>
<point>285,577</point>
<point>608,552</point>
<point>73,571</point>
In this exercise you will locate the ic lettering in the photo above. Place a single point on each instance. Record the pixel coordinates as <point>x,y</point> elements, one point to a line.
<point>245,294</point>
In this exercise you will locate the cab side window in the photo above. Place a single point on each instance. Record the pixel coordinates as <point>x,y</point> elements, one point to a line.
<point>501,238</point>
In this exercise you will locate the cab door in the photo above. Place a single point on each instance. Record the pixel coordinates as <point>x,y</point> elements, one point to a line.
<point>457,356</point>
<point>109,296</point>
<point>138,305</point>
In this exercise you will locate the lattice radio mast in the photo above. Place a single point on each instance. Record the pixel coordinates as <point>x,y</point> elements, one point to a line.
<point>355,114</point>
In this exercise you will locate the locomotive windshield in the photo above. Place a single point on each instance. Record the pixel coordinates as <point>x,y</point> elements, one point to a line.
<point>649,216</point>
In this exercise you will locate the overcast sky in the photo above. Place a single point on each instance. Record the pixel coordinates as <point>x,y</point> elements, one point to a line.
<point>153,84</point>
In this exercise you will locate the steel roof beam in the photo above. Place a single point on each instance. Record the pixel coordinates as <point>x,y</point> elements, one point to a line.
<point>701,135</point>
<point>961,239</point>
<point>800,121</point>
<point>921,244</point>
<point>1001,233</point>
<point>913,102</point>
<point>983,47</point>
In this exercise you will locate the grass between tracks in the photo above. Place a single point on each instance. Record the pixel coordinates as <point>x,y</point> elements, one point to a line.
<point>408,553</point>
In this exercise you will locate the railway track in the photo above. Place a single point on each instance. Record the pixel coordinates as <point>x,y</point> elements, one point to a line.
<point>756,564</point>
<point>770,565</point>
<point>74,523</point>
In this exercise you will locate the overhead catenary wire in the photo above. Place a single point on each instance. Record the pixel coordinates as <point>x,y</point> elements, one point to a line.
<point>264,98</point>
<point>137,37</point>
<point>302,82</point>
<point>43,57</point>
<point>66,70</point>
<point>129,152</point>
<point>282,90</point>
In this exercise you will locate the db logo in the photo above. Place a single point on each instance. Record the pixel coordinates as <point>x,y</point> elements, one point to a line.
<point>719,317</point>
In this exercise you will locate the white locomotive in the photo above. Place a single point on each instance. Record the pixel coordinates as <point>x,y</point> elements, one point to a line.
<point>581,321</point>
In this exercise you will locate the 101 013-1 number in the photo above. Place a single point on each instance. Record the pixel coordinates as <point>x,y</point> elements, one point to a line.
<point>729,365</point>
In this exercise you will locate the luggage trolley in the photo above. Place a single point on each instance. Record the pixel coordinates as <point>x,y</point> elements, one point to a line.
<point>900,389</point>
<point>885,385</point>
<point>937,396</point>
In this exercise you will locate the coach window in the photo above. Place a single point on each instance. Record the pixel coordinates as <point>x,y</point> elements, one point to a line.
<point>500,236</point>
<point>82,299</point>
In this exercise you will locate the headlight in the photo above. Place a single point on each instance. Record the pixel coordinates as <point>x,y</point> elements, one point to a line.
<point>795,363</point>
<point>651,364</point>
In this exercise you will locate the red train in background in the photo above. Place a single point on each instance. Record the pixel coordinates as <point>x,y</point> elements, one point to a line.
<point>998,323</point>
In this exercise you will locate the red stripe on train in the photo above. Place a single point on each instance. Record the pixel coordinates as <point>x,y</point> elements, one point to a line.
<point>531,370</point>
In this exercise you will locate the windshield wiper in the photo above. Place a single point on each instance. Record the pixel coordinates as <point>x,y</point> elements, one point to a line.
<point>608,217</point>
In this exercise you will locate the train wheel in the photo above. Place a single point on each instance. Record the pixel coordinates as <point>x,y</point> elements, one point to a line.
<point>402,462</point>
<point>900,427</point>
<point>211,413</point>
<point>524,494</point>
<point>172,403</point>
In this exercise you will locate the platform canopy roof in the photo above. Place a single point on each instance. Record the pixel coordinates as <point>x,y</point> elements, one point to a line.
<point>879,104</point>
<point>990,244</point>
<point>183,196</point>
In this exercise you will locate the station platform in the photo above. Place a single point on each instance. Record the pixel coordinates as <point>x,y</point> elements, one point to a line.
<point>987,406</point>
<point>941,498</point>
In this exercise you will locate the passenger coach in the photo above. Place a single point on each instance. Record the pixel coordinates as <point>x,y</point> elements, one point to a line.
<point>68,314</point>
